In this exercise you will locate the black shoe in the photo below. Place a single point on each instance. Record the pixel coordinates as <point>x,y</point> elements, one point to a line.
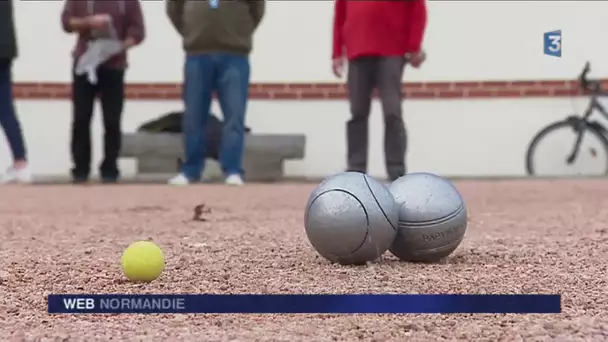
<point>79,176</point>
<point>393,176</point>
<point>109,180</point>
<point>108,175</point>
<point>356,170</point>
<point>80,180</point>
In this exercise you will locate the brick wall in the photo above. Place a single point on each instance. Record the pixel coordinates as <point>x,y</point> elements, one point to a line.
<point>327,91</point>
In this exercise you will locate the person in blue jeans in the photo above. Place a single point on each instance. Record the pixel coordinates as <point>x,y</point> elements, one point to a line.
<point>217,38</point>
<point>19,171</point>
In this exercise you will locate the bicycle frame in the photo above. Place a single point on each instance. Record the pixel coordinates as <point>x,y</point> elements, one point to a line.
<point>577,122</point>
<point>581,123</point>
<point>595,104</point>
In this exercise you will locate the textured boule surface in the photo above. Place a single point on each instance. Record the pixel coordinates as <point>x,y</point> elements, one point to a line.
<point>432,217</point>
<point>523,237</point>
<point>351,218</point>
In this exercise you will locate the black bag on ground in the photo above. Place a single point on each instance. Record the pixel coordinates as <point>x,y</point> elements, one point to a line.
<point>172,123</point>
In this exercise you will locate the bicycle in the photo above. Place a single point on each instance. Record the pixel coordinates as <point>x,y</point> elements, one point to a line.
<point>581,126</point>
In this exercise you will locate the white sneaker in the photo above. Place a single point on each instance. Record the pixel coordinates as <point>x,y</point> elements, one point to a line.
<point>13,175</point>
<point>234,180</point>
<point>179,180</point>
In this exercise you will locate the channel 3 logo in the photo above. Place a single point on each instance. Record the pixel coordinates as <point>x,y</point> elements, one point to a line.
<point>553,43</point>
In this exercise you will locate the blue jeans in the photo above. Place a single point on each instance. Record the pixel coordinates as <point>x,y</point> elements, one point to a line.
<point>228,76</point>
<point>8,118</point>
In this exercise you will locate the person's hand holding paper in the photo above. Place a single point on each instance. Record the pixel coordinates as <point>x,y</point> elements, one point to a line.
<point>98,51</point>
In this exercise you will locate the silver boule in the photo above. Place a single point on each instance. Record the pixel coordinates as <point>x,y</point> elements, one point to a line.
<point>351,218</point>
<point>432,217</point>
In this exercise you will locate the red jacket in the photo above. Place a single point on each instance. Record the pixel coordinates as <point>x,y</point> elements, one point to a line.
<point>378,28</point>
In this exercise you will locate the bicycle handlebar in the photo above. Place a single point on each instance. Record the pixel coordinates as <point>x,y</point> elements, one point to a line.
<point>586,84</point>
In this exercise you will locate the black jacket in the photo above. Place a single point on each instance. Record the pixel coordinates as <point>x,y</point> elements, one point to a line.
<point>8,41</point>
<point>172,123</point>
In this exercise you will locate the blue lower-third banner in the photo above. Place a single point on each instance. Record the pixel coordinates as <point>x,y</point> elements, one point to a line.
<point>310,304</point>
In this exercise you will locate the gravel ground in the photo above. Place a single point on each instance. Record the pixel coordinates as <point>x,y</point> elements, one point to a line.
<point>523,237</point>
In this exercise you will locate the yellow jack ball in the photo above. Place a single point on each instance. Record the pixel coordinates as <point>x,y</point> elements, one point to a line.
<point>143,261</point>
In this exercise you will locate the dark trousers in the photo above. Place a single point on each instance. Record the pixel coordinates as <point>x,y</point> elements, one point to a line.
<point>365,74</point>
<point>8,118</point>
<point>110,88</point>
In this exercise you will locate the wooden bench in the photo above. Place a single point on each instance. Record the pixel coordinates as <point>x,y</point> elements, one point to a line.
<point>159,153</point>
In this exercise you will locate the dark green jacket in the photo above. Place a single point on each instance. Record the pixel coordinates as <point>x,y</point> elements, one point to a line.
<point>228,28</point>
<point>8,41</point>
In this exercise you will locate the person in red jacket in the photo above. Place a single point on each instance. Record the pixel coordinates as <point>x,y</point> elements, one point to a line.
<point>377,38</point>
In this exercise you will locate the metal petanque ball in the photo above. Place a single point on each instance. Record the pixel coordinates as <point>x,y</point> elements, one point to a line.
<point>351,218</point>
<point>432,217</point>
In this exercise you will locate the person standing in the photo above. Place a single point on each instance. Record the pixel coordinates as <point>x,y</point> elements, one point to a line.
<point>377,39</point>
<point>92,20</point>
<point>217,38</point>
<point>19,172</point>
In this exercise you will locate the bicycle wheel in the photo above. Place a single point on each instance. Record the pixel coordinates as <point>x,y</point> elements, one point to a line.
<point>551,148</point>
